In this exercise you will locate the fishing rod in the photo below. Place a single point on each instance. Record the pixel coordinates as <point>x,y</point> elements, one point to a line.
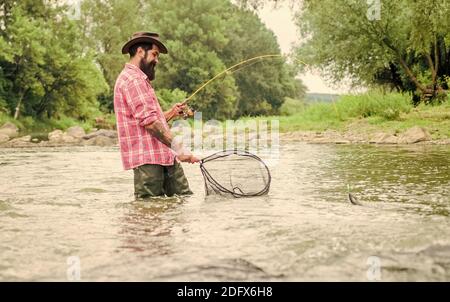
<point>234,66</point>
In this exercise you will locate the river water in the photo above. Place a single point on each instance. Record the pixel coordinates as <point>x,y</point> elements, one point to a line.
<point>69,214</point>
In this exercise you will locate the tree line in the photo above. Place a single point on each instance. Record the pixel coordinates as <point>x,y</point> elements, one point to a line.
<point>401,45</point>
<point>54,64</point>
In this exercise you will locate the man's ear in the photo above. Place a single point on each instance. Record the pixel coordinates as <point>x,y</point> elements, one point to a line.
<point>141,52</point>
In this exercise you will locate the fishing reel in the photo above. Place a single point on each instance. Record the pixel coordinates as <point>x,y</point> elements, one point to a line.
<point>187,112</point>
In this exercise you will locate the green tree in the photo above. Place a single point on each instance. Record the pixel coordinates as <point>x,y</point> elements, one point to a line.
<point>44,72</point>
<point>264,85</point>
<point>406,48</point>
<point>204,37</point>
<point>195,35</point>
<point>107,25</point>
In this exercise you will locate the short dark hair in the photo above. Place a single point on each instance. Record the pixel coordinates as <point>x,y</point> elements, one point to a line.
<point>134,48</point>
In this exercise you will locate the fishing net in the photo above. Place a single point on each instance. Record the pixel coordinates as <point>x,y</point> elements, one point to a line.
<point>235,172</point>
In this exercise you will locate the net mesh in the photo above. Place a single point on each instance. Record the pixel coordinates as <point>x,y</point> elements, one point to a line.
<point>235,172</point>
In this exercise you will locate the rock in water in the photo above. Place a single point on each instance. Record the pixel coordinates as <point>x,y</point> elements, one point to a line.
<point>102,132</point>
<point>55,136</point>
<point>76,131</point>
<point>9,129</point>
<point>414,135</point>
<point>3,138</point>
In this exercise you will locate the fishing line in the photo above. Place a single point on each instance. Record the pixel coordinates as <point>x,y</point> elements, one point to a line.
<point>261,57</point>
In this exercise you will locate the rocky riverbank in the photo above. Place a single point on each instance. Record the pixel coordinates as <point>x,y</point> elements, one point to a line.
<point>76,136</point>
<point>414,135</point>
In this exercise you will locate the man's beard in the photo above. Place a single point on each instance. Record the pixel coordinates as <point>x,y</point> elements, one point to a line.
<point>148,68</point>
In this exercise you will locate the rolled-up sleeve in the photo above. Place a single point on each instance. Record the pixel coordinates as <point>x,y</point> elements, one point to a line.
<point>141,101</point>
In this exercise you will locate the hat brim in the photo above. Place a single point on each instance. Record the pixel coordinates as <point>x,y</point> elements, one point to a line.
<point>126,47</point>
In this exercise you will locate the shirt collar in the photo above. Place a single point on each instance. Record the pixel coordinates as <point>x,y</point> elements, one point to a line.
<point>136,69</point>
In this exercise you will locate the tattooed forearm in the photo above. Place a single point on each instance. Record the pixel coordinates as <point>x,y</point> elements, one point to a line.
<point>168,115</point>
<point>158,130</point>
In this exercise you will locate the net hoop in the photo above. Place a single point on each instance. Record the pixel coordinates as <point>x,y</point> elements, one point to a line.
<point>209,179</point>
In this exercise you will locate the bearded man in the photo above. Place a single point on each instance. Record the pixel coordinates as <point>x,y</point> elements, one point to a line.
<point>146,143</point>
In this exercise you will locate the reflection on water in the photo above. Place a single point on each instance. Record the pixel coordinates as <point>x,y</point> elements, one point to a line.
<point>147,225</point>
<point>57,203</point>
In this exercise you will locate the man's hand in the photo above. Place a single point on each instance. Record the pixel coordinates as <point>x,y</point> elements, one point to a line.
<point>178,109</point>
<point>188,159</point>
<point>175,111</point>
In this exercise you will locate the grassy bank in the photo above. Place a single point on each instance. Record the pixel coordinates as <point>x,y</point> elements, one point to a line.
<point>365,113</point>
<point>369,113</point>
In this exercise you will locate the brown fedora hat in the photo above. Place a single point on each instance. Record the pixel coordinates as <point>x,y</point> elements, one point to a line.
<point>144,37</point>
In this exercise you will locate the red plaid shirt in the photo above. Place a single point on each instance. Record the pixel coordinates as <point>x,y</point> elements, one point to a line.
<point>136,106</point>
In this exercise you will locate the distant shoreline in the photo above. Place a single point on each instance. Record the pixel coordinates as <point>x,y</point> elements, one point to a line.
<point>379,138</point>
<point>371,118</point>
<point>413,136</point>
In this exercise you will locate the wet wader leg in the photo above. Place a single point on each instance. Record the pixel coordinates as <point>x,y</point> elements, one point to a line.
<point>175,182</point>
<point>148,181</point>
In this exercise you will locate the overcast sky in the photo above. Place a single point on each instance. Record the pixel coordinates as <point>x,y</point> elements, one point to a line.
<point>280,21</point>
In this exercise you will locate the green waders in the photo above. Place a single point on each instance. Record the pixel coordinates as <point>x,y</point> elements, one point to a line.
<point>157,180</point>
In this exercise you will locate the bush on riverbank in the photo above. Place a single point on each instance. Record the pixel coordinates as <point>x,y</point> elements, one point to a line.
<point>369,112</point>
<point>292,106</point>
<point>388,106</point>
